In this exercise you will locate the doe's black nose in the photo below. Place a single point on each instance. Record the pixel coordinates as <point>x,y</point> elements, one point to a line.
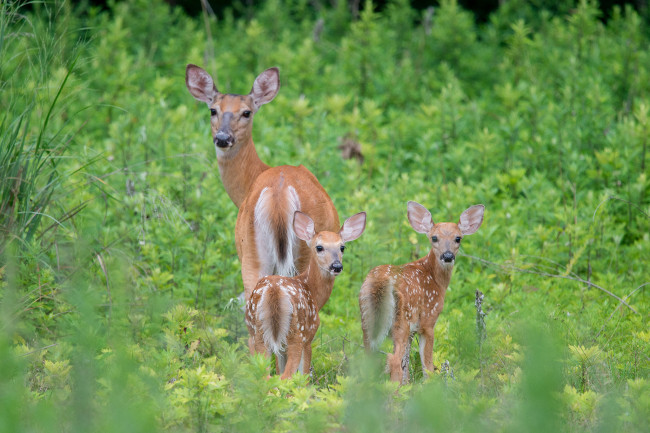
<point>447,257</point>
<point>222,139</point>
<point>336,267</point>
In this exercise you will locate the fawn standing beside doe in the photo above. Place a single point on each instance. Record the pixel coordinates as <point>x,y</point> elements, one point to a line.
<point>282,313</point>
<point>409,298</point>
<point>266,196</point>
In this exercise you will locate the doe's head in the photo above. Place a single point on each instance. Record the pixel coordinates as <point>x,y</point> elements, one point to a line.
<point>231,116</point>
<point>328,247</point>
<point>445,238</point>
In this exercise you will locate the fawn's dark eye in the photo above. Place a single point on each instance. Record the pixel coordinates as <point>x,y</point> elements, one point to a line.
<point>246,114</point>
<point>319,248</point>
<point>213,112</point>
<point>458,238</point>
<point>434,238</point>
<point>342,248</point>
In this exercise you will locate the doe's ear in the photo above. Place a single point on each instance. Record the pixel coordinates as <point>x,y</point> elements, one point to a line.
<point>353,227</point>
<point>265,87</point>
<point>471,219</point>
<point>419,217</point>
<point>200,84</point>
<point>303,225</point>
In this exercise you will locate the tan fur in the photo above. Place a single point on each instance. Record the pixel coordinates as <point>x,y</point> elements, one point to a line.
<point>313,201</point>
<point>307,293</point>
<point>409,298</point>
<point>244,175</point>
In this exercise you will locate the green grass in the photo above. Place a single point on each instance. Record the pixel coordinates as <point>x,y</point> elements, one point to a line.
<point>118,270</point>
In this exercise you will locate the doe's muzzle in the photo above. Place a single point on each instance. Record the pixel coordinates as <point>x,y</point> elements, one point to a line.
<point>336,267</point>
<point>223,139</point>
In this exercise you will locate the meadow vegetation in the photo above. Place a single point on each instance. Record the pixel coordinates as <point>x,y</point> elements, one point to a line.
<point>118,271</point>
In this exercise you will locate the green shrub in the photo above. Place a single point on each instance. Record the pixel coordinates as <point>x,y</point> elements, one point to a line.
<point>119,276</point>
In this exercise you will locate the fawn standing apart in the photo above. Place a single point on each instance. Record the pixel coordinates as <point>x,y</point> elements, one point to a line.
<point>282,312</point>
<point>409,298</point>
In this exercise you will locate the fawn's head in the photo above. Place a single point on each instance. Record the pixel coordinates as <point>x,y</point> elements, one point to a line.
<point>445,238</point>
<point>231,116</point>
<point>327,247</point>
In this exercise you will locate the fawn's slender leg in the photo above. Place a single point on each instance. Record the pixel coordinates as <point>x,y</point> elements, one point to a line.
<point>306,358</point>
<point>294,353</point>
<point>280,362</point>
<point>426,350</point>
<point>258,345</point>
<point>251,340</point>
<point>406,359</point>
<point>400,338</point>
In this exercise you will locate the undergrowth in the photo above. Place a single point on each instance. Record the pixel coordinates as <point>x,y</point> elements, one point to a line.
<point>118,271</point>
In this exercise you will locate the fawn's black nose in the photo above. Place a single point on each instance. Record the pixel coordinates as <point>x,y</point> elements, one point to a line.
<point>336,267</point>
<point>447,257</point>
<point>223,139</point>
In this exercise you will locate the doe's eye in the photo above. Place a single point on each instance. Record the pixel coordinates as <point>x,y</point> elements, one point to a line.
<point>213,112</point>
<point>246,114</point>
<point>342,248</point>
<point>458,238</point>
<point>319,248</point>
<point>434,238</point>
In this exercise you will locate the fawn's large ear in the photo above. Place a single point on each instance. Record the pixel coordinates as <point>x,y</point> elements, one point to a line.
<point>265,87</point>
<point>471,219</point>
<point>303,225</point>
<point>200,84</point>
<point>353,227</point>
<point>419,217</point>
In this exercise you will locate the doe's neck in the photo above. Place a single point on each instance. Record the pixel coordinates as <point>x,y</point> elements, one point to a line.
<point>240,170</point>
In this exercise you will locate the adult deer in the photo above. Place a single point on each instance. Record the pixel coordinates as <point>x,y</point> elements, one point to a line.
<point>267,197</point>
<point>282,313</point>
<point>409,298</point>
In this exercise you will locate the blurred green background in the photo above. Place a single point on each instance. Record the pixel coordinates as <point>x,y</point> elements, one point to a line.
<point>118,270</point>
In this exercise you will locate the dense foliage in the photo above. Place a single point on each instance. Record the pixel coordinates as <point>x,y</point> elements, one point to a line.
<point>118,271</point>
